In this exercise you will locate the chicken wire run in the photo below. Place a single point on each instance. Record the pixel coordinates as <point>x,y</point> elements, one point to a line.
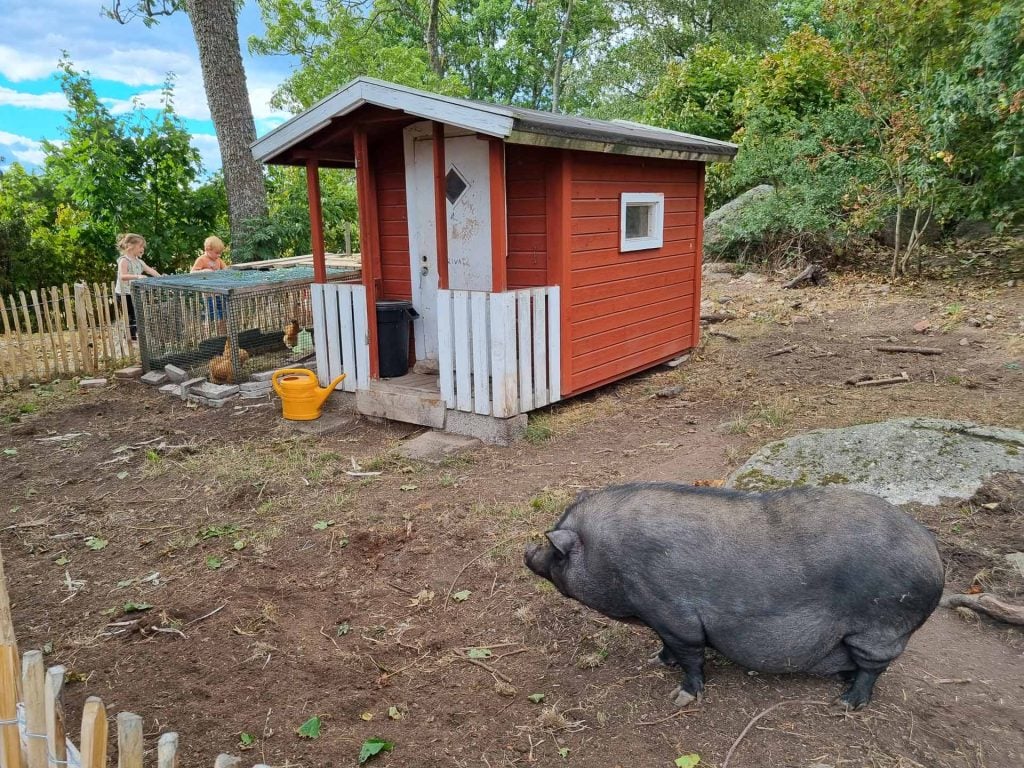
<point>229,324</point>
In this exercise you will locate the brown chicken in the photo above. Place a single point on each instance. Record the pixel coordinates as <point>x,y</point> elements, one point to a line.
<point>291,334</point>
<point>220,367</point>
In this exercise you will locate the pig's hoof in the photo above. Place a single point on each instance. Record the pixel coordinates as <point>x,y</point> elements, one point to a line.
<point>852,701</point>
<point>661,658</point>
<point>683,698</point>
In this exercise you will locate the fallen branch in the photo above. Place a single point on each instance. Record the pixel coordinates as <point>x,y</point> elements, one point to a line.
<point>782,350</point>
<point>813,273</point>
<point>725,763</point>
<point>715,317</point>
<point>488,667</point>
<point>990,606</point>
<point>903,377</point>
<point>723,334</point>
<point>918,350</point>
<point>206,615</point>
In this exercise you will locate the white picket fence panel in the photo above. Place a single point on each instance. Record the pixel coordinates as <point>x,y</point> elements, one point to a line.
<point>499,352</point>
<point>340,334</point>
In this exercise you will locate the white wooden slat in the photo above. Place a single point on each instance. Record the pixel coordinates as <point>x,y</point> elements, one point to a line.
<point>523,349</point>
<point>348,338</point>
<point>503,363</point>
<point>321,323</point>
<point>463,351</point>
<point>540,347</point>
<point>336,329</point>
<point>481,354</point>
<point>445,350</point>
<point>554,343</point>
<point>362,336</point>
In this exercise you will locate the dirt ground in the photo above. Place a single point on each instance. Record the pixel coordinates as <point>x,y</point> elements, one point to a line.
<point>264,584</point>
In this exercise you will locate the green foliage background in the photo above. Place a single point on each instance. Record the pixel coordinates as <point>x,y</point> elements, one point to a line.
<point>857,112</point>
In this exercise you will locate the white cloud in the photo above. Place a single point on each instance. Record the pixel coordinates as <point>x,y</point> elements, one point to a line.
<point>53,100</point>
<point>22,65</point>
<point>23,149</point>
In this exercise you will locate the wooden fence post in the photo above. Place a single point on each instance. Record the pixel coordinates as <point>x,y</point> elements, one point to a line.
<point>167,751</point>
<point>33,681</point>
<point>129,740</point>
<point>82,321</point>
<point>10,741</point>
<point>93,746</point>
<point>56,738</point>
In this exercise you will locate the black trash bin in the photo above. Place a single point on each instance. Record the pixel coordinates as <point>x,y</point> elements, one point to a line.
<point>393,319</point>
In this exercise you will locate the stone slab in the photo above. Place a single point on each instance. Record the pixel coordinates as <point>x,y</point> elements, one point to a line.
<point>902,460</point>
<point>214,391</point>
<point>171,389</point>
<point>254,395</point>
<point>261,375</point>
<point>155,378</point>
<point>92,383</point>
<point>131,372</point>
<point>212,403</point>
<point>435,447</point>
<point>255,386</point>
<point>186,386</point>
<point>328,423</point>
<point>175,374</point>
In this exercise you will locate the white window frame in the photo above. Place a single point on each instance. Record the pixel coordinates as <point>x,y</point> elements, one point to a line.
<point>656,221</point>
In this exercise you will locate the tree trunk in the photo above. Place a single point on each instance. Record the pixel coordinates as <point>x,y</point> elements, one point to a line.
<point>433,49</point>
<point>556,78</point>
<point>215,26</point>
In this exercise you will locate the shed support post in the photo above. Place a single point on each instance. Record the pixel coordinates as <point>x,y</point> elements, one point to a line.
<point>316,221</point>
<point>499,217</point>
<point>440,207</point>
<point>368,240</point>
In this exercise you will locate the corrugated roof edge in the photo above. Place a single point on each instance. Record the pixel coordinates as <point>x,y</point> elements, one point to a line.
<point>516,124</point>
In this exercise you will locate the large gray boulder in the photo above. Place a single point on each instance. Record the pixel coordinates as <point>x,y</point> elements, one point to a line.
<point>716,220</point>
<point>902,460</point>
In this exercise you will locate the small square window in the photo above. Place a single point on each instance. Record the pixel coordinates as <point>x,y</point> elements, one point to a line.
<point>642,221</point>
<point>454,185</point>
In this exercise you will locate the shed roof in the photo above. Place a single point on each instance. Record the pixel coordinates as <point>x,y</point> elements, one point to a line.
<point>516,125</point>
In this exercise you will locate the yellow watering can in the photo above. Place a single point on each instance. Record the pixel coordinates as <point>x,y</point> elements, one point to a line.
<point>301,398</point>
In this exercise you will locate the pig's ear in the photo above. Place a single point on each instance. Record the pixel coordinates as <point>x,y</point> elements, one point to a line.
<point>564,541</point>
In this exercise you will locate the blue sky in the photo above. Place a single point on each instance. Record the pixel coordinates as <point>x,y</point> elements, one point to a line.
<point>124,62</point>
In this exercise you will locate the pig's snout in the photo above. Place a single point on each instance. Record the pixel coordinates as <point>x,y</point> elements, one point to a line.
<point>536,557</point>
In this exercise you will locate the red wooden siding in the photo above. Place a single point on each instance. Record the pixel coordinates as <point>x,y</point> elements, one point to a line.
<point>387,163</point>
<point>630,310</point>
<point>526,196</point>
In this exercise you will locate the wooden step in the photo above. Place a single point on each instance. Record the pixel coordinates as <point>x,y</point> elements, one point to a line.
<point>413,399</point>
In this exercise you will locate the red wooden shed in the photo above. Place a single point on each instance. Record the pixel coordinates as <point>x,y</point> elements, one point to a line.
<point>545,255</point>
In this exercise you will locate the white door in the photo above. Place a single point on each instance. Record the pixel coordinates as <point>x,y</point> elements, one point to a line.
<point>468,208</point>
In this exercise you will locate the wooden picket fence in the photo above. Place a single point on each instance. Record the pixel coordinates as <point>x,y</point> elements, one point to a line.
<point>60,332</point>
<point>32,722</point>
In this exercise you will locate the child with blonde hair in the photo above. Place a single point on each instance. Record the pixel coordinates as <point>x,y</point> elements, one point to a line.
<point>130,266</point>
<point>210,261</point>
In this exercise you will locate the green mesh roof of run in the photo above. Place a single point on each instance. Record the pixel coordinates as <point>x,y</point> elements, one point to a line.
<point>227,281</point>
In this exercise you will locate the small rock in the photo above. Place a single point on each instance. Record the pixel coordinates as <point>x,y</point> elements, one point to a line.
<point>131,372</point>
<point>676,362</point>
<point>990,318</point>
<point>154,378</point>
<point>175,374</point>
<point>1010,283</point>
<point>974,322</point>
<point>964,342</point>
<point>799,319</point>
<point>922,326</point>
<point>92,383</point>
<point>669,391</point>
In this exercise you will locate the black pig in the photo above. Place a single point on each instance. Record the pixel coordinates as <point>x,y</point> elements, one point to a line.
<point>825,581</point>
